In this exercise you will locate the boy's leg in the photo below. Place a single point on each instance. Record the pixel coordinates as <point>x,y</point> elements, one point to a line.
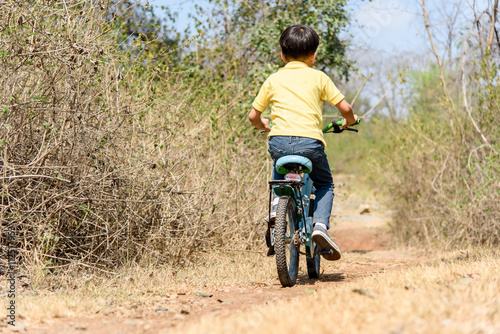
<point>321,176</point>
<point>323,182</point>
<point>276,151</point>
<point>278,147</point>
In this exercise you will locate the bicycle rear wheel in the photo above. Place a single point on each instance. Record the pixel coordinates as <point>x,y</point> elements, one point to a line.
<point>287,255</point>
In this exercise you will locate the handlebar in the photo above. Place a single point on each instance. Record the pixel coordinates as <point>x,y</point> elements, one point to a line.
<point>337,127</point>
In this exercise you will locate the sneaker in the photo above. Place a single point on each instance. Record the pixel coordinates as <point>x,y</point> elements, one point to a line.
<point>325,243</point>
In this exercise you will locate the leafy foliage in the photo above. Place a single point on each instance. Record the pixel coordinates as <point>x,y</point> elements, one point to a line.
<point>240,39</point>
<point>128,143</point>
<point>262,22</point>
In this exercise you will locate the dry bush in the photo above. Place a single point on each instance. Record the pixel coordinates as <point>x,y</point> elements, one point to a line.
<point>444,177</point>
<point>442,162</point>
<point>102,162</point>
<point>442,198</point>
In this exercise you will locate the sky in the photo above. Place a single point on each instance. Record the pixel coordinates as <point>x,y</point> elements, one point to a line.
<point>381,30</point>
<point>385,25</point>
<point>388,36</point>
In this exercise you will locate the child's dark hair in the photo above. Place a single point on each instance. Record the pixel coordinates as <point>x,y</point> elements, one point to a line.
<point>298,42</point>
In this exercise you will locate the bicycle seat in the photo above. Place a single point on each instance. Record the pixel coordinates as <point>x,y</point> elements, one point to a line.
<point>293,163</point>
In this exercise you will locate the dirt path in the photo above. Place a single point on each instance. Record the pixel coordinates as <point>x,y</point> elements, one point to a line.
<point>361,237</point>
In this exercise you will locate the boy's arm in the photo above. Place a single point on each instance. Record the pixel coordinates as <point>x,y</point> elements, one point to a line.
<point>346,110</point>
<point>259,123</point>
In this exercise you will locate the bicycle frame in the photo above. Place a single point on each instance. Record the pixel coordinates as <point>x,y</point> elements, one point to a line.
<point>295,215</point>
<point>301,193</point>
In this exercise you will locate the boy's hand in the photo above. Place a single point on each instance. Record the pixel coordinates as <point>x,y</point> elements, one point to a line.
<point>260,123</point>
<point>346,111</point>
<point>346,125</point>
<point>266,122</point>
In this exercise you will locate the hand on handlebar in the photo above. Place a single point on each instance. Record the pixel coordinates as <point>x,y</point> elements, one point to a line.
<point>345,125</point>
<point>267,125</point>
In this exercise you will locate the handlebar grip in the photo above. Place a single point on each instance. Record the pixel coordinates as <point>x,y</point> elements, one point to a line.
<point>339,123</point>
<point>328,127</point>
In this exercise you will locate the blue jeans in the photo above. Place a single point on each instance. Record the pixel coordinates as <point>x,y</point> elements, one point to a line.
<point>321,174</point>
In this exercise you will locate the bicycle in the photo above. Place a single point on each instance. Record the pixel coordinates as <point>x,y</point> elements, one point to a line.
<point>294,216</point>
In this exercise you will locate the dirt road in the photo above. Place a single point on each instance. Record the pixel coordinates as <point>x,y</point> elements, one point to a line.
<point>360,231</point>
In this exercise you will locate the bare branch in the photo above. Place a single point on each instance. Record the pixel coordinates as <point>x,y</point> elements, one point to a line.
<point>378,102</point>
<point>359,90</point>
<point>436,54</point>
<point>493,21</point>
<point>464,92</point>
<point>33,177</point>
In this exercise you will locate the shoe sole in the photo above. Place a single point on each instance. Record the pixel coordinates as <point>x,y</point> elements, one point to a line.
<point>324,243</point>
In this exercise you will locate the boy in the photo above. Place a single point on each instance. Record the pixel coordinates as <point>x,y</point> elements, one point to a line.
<point>296,93</point>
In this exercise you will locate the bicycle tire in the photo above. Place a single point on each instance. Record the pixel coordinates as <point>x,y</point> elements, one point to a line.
<point>314,263</point>
<point>287,256</point>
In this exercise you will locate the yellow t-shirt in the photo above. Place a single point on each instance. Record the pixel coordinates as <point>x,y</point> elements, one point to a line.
<point>296,94</point>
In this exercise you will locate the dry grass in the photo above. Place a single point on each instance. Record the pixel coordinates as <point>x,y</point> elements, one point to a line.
<point>445,155</point>
<point>79,293</point>
<point>457,293</point>
<point>108,158</point>
<point>78,138</point>
<point>74,293</point>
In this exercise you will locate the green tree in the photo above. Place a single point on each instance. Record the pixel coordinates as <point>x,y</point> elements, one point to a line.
<point>240,38</point>
<point>238,47</point>
<point>261,24</point>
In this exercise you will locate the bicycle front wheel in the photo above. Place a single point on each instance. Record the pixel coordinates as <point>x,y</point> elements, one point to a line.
<point>287,254</point>
<point>313,263</point>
